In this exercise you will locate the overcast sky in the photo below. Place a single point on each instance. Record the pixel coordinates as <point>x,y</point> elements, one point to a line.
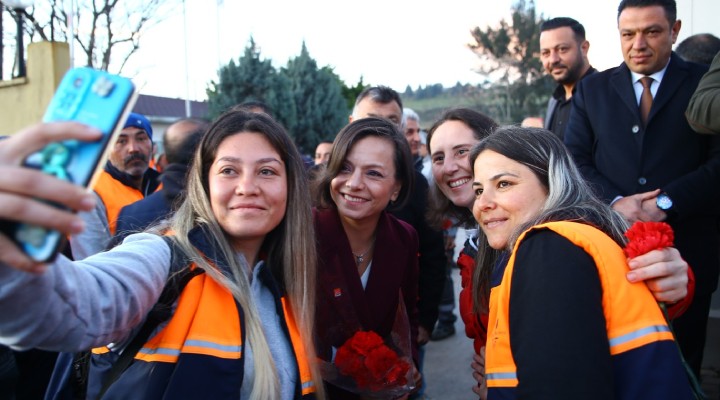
<point>390,42</point>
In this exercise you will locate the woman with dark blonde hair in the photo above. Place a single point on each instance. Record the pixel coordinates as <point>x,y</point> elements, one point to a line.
<point>242,329</point>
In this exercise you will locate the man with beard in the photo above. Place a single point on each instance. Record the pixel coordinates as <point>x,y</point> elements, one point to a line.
<point>125,179</point>
<point>563,53</point>
<point>180,140</point>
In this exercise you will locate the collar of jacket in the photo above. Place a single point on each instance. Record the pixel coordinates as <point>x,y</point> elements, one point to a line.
<point>173,180</point>
<point>202,240</point>
<point>150,180</point>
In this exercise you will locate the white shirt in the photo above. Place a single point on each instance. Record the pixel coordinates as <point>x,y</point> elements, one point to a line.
<point>638,87</point>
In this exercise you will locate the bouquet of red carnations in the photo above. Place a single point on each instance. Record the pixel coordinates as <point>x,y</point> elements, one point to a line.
<point>371,363</point>
<point>373,366</point>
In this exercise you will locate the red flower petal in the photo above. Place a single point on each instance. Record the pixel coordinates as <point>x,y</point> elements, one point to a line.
<point>647,236</point>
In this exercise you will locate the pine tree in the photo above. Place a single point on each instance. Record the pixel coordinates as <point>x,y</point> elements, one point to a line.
<point>510,54</point>
<point>253,79</point>
<point>321,108</point>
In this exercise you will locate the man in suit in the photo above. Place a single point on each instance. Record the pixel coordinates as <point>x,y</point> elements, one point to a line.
<point>628,134</point>
<point>564,55</point>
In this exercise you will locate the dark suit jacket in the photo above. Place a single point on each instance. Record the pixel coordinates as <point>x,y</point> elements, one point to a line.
<point>620,157</point>
<point>432,261</point>
<point>343,307</point>
<point>552,103</point>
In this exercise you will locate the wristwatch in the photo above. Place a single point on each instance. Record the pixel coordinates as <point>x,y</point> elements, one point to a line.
<point>664,202</point>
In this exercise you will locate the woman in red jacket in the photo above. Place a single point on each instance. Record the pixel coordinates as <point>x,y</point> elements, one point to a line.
<point>449,142</point>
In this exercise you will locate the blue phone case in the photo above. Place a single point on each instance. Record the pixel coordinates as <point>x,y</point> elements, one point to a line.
<point>91,97</point>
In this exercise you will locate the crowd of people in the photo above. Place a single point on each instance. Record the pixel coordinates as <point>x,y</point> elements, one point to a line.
<point>229,268</point>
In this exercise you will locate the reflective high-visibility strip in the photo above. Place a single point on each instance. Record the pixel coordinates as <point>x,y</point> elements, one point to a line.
<point>637,338</point>
<point>501,375</point>
<point>212,349</point>
<point>195,347</point>
<point>216,346</point>
<point>160,351</point>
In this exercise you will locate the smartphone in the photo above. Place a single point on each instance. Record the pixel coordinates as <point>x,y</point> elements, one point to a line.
<point>92,97</point>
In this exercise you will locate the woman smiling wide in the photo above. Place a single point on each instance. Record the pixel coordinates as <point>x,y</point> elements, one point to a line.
<point>564,322</point>
<point>368,258</point>
<point>449,142</point>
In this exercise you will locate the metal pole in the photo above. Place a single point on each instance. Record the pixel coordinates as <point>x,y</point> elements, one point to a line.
<point>20,47</point>
<point>187,68</point>
<point>2,36</point>
<point>71,31</point>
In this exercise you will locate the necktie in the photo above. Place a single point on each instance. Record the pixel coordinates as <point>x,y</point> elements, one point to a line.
<point>646,98</point>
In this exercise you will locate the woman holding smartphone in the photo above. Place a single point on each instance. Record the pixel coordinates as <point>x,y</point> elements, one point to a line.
<point>246,223</point>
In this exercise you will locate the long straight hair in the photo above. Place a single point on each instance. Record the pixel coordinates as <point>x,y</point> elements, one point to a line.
<point>289,248</point>
<point>569,197</point>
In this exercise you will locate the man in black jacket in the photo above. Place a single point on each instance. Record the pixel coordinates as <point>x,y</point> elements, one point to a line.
<point>564,55</point>
<point>629,136</point>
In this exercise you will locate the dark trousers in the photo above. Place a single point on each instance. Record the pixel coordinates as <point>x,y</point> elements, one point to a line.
<point>8,374</point>
<point>34,367</point>
<point>691,331</point>
<point>447,301</point>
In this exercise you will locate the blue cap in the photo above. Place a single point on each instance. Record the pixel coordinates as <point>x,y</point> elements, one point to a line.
<point>139,121</point>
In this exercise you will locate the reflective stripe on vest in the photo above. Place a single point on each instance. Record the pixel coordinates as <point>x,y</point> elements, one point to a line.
<point>206,322</point>
<point>115,195</point>
<point>632,316</point>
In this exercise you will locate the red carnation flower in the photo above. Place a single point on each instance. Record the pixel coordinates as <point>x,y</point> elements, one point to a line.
<point>380,360</point>
<point>373,365</point>
<point>363,342</point>
<point>648,236</point>
<point>347,361</point>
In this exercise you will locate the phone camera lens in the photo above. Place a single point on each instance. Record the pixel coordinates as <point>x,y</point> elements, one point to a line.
<point>78,82</point>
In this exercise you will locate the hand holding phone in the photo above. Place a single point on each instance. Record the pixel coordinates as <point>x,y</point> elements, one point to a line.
<point>94,98</point>
<point>21,189</point>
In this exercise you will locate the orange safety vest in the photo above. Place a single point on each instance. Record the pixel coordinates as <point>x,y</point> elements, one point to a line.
<point>633,318</point>
<point>205,323</point>
<point>115,195</point>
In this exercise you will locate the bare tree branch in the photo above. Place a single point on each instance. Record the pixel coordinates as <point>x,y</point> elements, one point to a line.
<point>102,29</point>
